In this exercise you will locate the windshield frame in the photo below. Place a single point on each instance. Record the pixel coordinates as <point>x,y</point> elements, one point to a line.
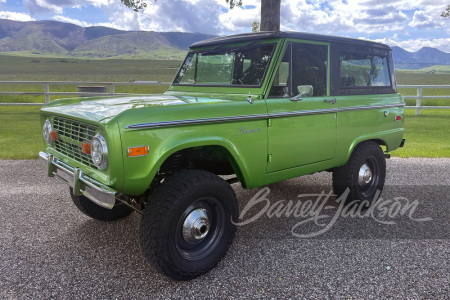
<point>229,47</point>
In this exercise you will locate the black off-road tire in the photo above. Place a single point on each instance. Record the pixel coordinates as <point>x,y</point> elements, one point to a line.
<point>180,196</point>
<point>348,176</point>
<point>94,211</point>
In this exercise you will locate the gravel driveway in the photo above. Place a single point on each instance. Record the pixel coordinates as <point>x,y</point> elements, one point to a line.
<point>50,250</point>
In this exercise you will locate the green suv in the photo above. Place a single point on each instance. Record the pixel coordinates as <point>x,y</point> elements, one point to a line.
<point>261,107</point>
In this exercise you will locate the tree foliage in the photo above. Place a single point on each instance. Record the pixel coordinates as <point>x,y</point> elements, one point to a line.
<point>234,3</point>
<point>446,13</point>
<point>136,5</point>
<point>141,5</point>
<point>255,26</point>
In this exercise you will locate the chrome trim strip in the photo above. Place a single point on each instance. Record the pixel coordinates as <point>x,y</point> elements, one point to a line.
<point>303,113</point>
<point>95,191</point>
<point>256,117</point>
<point>351,108</point>
<point>197,121</point>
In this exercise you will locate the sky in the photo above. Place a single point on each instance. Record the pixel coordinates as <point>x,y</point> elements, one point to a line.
<point>410,24</point>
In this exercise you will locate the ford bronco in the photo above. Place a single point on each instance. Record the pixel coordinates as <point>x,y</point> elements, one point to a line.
<point>261,107</point>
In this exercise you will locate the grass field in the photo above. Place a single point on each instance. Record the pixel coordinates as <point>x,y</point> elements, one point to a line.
<point>424,78</point>
<point>20,132</point>
<point>58,69</point>
<point>436,69</point>
<point>64,69</point>
<point>427,135</point>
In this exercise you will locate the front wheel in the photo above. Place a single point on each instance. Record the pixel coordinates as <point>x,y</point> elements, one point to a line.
<point>186,227</point>
<point>363,175</point>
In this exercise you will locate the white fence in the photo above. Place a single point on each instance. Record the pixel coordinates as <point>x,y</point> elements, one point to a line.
<point>46,91</point>
<point>420,96</point>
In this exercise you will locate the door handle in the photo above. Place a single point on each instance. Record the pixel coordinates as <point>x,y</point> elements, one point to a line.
<point>332,101</point>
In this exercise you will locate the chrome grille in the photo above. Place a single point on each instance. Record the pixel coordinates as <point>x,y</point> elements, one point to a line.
<point>71,134</point>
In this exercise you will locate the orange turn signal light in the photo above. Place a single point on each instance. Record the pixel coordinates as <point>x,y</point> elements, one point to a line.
<point>137,151</point>
<point>54,135</point>
<point>86,148</point>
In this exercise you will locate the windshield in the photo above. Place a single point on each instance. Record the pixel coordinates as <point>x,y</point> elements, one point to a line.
<point>244,65</point>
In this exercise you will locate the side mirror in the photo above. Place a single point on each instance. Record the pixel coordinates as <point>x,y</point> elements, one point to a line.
<point>303,91</point>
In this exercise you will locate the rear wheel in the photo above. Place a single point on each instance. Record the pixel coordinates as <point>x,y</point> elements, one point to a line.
<point>94,211</point>
<point>186,227</point>
<point>364,174</point>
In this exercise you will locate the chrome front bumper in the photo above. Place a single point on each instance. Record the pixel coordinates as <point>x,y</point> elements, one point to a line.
<point>97,192</point>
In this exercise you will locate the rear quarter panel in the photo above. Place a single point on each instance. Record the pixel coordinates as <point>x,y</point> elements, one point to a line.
<point>359,119</point>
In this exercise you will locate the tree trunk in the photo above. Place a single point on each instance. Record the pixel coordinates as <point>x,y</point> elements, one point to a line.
<point>270,15</point>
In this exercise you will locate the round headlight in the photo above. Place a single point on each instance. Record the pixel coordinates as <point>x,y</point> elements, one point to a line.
<point>46,131</point>
<point>99,151</point>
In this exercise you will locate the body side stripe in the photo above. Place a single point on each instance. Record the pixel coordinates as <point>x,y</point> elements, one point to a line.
<point>256,117</point>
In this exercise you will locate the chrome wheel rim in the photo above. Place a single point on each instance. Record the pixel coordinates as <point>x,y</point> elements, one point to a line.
<point>369,177</point>
<point>365,175</point>
<point>196,226</point>
<point>200,228</point>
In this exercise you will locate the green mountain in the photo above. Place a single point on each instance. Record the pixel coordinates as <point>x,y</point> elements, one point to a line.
<point>63,39</point>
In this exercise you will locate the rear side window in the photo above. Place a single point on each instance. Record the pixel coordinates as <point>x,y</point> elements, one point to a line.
<point>363,70</point>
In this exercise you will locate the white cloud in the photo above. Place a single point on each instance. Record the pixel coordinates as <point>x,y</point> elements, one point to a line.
<point>126,19</point>
<point>239,19</point>
<point>414,45</point>
<point>72,21</point>
<point>422,20</point>
<point>182,15</point>
<point>9,15</point>
<point>340,16</point>
<point>313,17</point>
<point>325,16</point>
<point>37,7</point>
<point>372,18</point>
<point>2,1</point>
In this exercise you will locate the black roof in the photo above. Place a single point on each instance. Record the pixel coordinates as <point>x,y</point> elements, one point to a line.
<point>286,34</point>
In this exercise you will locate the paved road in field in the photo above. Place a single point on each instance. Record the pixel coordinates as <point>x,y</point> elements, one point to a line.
<point>401,250</point>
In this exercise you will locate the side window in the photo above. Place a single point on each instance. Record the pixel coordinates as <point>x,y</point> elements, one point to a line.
<point>364,70</point>
<point>303,66</point>
<point>309,67</point>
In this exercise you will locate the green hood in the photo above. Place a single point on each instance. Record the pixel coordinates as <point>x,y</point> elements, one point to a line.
<point>103,109</point>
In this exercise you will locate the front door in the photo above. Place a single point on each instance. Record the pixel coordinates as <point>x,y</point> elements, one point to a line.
<point>303,117</point>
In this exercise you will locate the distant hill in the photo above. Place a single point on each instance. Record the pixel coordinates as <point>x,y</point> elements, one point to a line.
<point>63,39</point>
<point>52,37</point>
<point>425,57</point>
